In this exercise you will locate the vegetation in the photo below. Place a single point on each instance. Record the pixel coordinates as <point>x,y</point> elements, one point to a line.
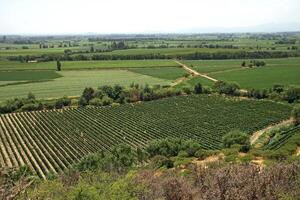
<point>296,115</point>
<point>50,141</point>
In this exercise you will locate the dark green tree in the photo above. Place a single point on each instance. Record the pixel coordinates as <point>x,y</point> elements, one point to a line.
<point>88,94</point>
<point>198,88</point>
<point>58,65</point>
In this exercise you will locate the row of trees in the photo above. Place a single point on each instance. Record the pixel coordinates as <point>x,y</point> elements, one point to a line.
<point>192,56</point>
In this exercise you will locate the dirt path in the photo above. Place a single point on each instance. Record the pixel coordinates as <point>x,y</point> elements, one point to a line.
<point>257,134</point>
<point>193,72</point>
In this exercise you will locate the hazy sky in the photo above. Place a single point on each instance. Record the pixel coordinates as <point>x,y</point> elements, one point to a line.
<point>140,16</point>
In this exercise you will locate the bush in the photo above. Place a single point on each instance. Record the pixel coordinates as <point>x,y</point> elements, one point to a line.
<point>292,94</point>
<point>202,154</point>
<point>82,102</point>
<point>186,90</point>
<point>60,103</point>
<point>226,88</point>
<point>91,162</point>
<point>88,93</point>
<point>166,147</point>
<point>161,161</point>
<point>198,88</point>
<point>96,102</point>
<point>191,147</point>
<point>32,107</point>
<point>106,101</point>
<point>296,115</point>
<point>236,137</point>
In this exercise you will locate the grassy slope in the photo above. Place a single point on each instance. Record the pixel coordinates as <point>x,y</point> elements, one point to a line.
<point>73,82</point>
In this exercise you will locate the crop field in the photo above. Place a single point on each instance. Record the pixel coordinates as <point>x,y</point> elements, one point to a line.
<point>28,75</point>
<point>72,83</point>
<point>284,138</point>
<point>277,71</point>
<point>53,140</point>
<point>78,65</point>
<point>169,73</point>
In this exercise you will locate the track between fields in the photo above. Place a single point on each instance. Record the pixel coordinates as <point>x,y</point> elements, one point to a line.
<point>193,72</point>
<point>259,133</point>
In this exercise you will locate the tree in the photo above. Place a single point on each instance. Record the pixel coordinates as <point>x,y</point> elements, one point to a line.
<point>30,96</point>
<point>58,65</point>
<point>292,94</point>
<point>92,49</point>
<point>236,137</point>
<point>198,88</point>
<point>243,64</point>
<point>88,94</point>
<point>296,115</point>
<point>226,88</point>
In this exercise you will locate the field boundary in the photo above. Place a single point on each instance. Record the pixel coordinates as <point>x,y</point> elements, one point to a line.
<point>194,72</point>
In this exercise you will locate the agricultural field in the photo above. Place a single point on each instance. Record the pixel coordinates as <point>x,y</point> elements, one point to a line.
<point>50,141</point>
<point>78,65</point>
<point>169,73</point>
<point>277,71</point>
<point>72,83</point>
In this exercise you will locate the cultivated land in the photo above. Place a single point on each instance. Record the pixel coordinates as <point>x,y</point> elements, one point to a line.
<point>277,71</point>
<point>52,140</point>
<point>72,83</point>
<point>79,65</point>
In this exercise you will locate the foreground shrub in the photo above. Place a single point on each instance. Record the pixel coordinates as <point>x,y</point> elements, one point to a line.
<point>296,115</point>
<point>226,88</point>
<point>237,137</point>
<point>161,161</point>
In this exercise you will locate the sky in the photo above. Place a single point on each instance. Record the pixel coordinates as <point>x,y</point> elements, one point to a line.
<point>147,16</point>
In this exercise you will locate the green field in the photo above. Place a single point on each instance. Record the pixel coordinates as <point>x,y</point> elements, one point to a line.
<point>76,65</point>
<point>53,140</point>
<point>72,83</point>
<point>278,71</point>
<point>169,73</point>
<point>28,75</point>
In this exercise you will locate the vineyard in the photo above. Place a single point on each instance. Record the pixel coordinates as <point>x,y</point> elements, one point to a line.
<point>50,141</point>
<point>283,139</point>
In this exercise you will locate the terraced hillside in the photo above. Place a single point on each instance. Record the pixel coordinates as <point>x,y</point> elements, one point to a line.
<point>52,140</point>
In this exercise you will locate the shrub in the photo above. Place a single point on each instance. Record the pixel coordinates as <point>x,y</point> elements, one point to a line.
<point>191,147</point>
<point>292,94</point>
<point>202,154</point>
<point>226,88</point>
<point>32,107</point>
<point>296,115</point>
<point>161,161</point>
<point>198,88</point>
<point>91,162</point>
<point>106,101</point>
<point>165,147</point>
<point>186,90</point>
<point>236,137</point>
<point>96,102</point>
<point>88,93</point>
<point>60,103</point>
<point>82,102</point>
